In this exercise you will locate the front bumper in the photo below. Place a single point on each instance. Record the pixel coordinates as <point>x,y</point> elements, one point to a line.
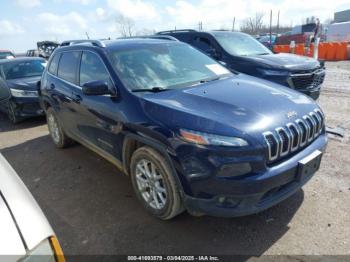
<point>26,106</point>
<point>313,93</point>
<point>249,194</point>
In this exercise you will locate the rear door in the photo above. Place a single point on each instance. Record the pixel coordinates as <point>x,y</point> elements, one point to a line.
<point>61,80</point>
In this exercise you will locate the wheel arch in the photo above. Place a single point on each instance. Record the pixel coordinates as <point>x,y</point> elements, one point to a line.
<point>132,142</point>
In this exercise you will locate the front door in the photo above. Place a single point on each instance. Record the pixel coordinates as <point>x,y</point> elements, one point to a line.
<point>97,118</point>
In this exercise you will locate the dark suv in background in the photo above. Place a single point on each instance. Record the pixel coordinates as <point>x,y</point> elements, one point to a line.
<point>191,134</point>
<point>241,52</point>
<point>6,54</point>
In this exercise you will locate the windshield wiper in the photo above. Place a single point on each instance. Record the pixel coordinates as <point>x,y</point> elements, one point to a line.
<point>209,79</point>
<point>155,89</point>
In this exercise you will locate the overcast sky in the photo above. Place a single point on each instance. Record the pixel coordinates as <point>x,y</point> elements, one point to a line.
<point>24,22</point>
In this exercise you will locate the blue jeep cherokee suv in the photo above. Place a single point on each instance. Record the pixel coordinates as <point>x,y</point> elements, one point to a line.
<point>190,134</point>
<point>243,53</point>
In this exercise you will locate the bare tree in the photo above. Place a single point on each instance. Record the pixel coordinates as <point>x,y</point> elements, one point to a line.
<point>328,21</point>
<point>253,25</point>
<point>125,26</point>
<point>145,31</point>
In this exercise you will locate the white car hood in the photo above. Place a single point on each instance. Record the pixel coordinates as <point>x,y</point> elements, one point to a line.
<point>10,240</point>
<point>18,207</point>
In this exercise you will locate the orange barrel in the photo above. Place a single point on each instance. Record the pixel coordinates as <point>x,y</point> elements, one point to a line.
<point>322,50</point>
<point>341,51</point>
<point>310,51</point>
<point>331,49</point>
<point>299,49</point>
<point>338,52</point>
<point>284,48</point>
<point>277,49</point>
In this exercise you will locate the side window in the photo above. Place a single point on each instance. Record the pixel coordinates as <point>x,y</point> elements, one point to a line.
<point>92,68</point>
<point>54,64</point>
<point>202,43</point>
<point>67,66</point>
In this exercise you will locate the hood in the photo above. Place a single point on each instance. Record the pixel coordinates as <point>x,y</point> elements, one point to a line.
<point>28,83</point>
<point>237,104</point>
<point>288,62</point>
<point>25,212</point>
<point>10,239</point>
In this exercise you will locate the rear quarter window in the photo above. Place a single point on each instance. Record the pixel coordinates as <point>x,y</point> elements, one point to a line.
<point>54,64</point>
<point>67,67</point>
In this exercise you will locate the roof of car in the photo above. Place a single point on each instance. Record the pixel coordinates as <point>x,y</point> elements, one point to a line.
<point>135,41</point>
<point>118,43</point>
<point>19,59</point>
<point>191,31</point>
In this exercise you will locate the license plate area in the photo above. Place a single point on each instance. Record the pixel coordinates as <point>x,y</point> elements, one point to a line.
<point>309,165</point>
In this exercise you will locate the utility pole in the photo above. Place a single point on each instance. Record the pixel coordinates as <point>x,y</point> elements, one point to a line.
<point>271,26</point>
<point>200,26</point>
<point>233,23</point>
<point>87,35</point>
<point>278,22</point>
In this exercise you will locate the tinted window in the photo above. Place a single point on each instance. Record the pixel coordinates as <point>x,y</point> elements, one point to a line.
<point>202,43</point>
<point>4,55</point>
<point>54,64</point>
<point>165,65</point>
<point>67,67</point>
<point>23,69</point>
<point>92,68</point>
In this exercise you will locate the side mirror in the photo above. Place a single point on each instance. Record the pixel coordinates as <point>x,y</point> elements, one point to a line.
<point>96,88</point>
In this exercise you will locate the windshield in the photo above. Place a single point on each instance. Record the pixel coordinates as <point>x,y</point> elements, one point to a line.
<point>23,69</point>
<point>165,66</point>
<point>6,55</point>
<point>240,44</point>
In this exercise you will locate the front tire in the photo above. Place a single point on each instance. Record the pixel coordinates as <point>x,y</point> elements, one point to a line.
<point>154,183</point>
<point>60,139</point>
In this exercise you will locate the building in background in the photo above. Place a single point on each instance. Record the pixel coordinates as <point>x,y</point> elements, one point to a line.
<point>342,16</point>
<point>340,29</point>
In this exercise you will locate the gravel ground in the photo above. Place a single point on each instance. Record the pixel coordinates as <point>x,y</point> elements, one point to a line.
<point>93,210</point>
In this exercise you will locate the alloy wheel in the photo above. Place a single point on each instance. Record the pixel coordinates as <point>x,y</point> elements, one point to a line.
<point>53,128</point>
<point>151,184</point>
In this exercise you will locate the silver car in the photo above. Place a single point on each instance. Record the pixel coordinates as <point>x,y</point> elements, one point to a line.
<point>25,233</point>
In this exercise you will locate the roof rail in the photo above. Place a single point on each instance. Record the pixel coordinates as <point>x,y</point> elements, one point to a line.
<point>175,31</point>
<point>83,41</point>
<point>166,37</point>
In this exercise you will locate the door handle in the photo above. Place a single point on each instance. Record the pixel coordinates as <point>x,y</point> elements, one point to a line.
<point>52,86</point>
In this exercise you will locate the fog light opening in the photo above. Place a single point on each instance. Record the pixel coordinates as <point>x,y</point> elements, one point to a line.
<point>227,201</point>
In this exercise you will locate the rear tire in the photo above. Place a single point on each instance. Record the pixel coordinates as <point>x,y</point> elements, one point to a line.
<point>154,183</point>
<point>11,114</point>
<point>58,136</point>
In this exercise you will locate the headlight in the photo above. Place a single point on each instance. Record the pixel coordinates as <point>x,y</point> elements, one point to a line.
<point>23,93</point>
<point>48,250</point>
<point>270,72</point>
<point>210,139</point>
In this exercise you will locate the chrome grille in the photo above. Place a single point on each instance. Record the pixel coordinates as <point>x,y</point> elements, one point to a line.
<point>308,80</point>
<point>295,135</point>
